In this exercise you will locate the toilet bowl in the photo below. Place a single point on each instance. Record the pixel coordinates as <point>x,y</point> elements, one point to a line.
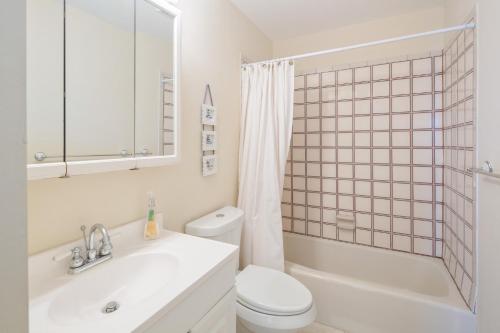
<point>268,301</point>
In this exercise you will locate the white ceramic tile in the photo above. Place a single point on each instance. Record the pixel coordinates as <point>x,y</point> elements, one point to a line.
<point>313,139</point>
<point>312,95</point>
<point>362,90</point>
<point>382,223</point>
<point>381,122</point>
<point>362,139</point>
<point>344,123</point>
<point>422,192</point>
<point>362,74</point>
<point>381,89</point>
<point>345,171</point>
<point>344,155</point>
<point>312,80</point>
<point>329,170</point>
<point>422,228</point>
<point>329,231</point>
<point>299,226</point>
<point>401,69</point>
<point>422,210</point>
<point>344,92</point>
<point>381,105</point>
<point>299,82</point>
<point>401,243</point>
<point>380,139</point>
<point>400,156</point>
<point>363,187</point>
<point>381,206</point>
<point>381,72</point>
<point>328,124</point>
<point>422,156</point>
<point>362,171</point>
<point>363,237</point>
<point>345,76</point>
<point>314,199</point>
<point>362,123</point>
<point>299,212</point>
<point>422,66</point>
<point>299,96</point>
<point>313,125</point>
<point>363,204</point>
<point>401,173</point>
<point>423,246</point>
<point>400,121</point>
<point>328,94</point>
<point>328,109</point>
<point>422,102</point>
<point>381,239</point>
<point>381,156</point>
<point>328,78</point>
<point>422,139</point>
<point>401,104</point>
<point>401,139</point>
<point>400,87</point>
<point>381,172</point>
<point>344,139</point>
<point>381,189</point>
<point>298,111</point>
<point>362,107</point>
<point>401,191</point>
<point>345,202</point>
<point>328,139</point>
<point>344,108</point>
<point>312,110</point>
<point>401,225</point>
<point>422,84</point>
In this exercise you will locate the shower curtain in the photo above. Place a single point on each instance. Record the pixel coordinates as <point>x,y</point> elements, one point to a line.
<point>266,129</point>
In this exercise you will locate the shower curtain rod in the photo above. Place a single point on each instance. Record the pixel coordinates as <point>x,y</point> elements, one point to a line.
<point>374,43</point>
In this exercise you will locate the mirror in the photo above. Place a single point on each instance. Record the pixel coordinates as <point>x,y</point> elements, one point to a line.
<point>44,81</point>
<point>102,84</point>
<point>154,80</point>
<point>99,79</point>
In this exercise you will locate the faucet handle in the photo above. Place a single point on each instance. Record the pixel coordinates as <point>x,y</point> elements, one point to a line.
<point>76,258</point>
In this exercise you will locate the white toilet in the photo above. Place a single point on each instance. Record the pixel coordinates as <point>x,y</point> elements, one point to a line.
<point>269,301</point>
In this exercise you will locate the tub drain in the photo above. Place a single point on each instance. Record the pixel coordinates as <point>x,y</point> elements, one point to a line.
<point>111,307</point>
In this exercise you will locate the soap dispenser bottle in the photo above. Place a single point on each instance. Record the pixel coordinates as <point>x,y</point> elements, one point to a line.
<point>151,229</point>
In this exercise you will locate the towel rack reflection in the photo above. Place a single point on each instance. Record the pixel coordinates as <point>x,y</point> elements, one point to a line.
<point>486,170</point>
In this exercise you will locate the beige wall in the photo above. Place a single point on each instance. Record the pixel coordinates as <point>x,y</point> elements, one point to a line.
<point>488,122</point>
<point>214,34</point>
<point>374,30</point>
<point>13,274</point>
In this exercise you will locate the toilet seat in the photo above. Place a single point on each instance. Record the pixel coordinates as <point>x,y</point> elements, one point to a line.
<point>271,292</point>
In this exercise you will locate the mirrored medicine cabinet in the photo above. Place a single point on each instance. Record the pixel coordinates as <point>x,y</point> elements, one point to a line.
<point>103,86</point>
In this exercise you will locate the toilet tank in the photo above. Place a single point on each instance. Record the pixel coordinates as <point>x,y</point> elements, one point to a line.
<point>223,225</point>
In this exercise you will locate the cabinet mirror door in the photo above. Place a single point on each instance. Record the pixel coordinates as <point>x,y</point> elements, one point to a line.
<point>99,73</point>
<point>45,77</point>
<point>155,89</point>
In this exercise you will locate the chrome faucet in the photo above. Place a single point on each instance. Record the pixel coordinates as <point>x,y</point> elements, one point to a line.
<point>93,255</point>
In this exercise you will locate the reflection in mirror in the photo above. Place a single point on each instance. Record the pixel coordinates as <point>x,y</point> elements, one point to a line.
<point>45,110</point>
<point>99,79</point>
<point>154,81</point>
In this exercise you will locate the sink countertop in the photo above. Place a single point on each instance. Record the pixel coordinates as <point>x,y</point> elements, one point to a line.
<point>147,279</point>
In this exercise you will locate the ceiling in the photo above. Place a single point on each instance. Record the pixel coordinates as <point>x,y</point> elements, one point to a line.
<point>281,19</point>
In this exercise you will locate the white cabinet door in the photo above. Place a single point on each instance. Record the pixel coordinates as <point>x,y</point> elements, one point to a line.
<point>221,318</point>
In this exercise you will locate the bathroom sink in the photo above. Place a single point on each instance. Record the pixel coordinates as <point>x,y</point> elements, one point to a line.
<point>144,282</point>
<point>127,281</point>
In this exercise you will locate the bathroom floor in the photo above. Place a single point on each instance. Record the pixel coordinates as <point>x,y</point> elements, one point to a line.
<point>314,328</point>
<point>318,328</point>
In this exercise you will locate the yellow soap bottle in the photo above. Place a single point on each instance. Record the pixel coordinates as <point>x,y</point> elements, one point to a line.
<point>151,229</point>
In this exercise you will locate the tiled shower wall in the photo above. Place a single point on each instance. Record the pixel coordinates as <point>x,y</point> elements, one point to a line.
<point>367,142</point>
<point>459,155</point>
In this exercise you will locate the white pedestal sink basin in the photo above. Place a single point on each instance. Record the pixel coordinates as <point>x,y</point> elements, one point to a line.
<point>128,281</point>
<point>145,278</point>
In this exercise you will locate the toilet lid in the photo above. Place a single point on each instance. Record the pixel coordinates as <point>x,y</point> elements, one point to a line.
<point>272,292</point>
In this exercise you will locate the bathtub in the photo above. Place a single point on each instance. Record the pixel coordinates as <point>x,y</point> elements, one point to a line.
<point>360,289</point>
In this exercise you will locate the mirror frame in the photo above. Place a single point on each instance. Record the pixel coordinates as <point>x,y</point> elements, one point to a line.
<point>72,168</point>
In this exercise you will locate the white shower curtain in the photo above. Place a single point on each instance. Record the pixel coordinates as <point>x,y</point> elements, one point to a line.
<point>266,129</point>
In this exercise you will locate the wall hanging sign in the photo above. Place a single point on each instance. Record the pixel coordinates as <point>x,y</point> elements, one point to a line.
<point>208,134</point>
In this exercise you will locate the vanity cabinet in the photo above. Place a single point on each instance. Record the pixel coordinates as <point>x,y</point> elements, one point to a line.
<point>221,318</point>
